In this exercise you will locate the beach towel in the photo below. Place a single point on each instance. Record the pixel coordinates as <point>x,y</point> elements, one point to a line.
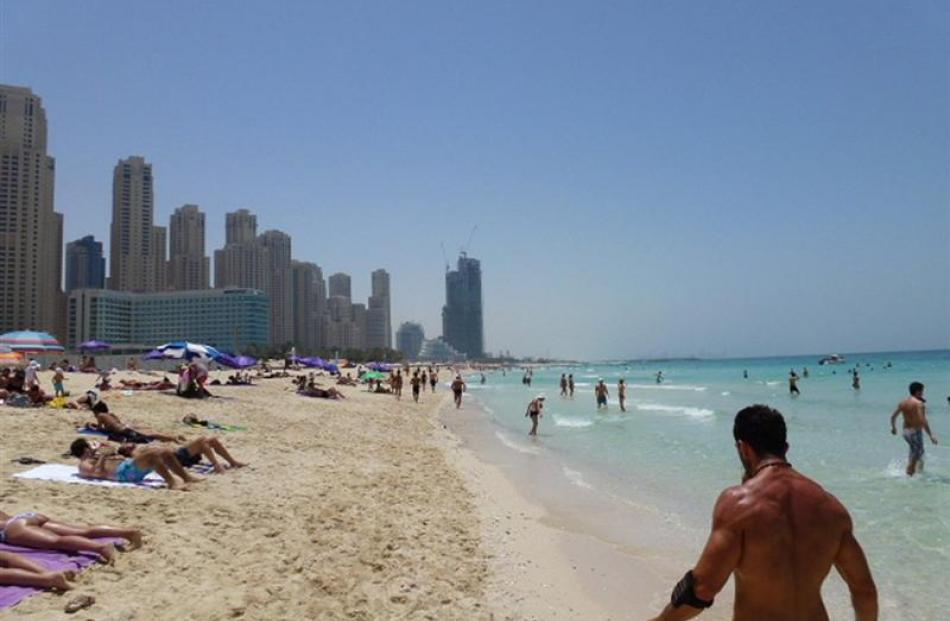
<point>213,426</point>
<point>65,473</point>
<point>53,560</point>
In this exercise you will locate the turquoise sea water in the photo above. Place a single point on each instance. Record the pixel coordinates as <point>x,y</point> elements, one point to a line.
<point>673,451</point>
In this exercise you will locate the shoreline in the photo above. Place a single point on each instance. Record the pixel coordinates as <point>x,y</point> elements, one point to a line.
<point>543,562</point>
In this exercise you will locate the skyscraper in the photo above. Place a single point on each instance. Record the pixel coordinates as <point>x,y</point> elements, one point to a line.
<point>243,262</point>
<point>308,304</point>
<point>409,338</point>
<point>280,290</point>
<point>378,324</point>
<point>462,313</point>
<point>137,248</point>
<point>85,265</point>
<point>188,267</point>
<point>31,233</point>
<point>340,285</point>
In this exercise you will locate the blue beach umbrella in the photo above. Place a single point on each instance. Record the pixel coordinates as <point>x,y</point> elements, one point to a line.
<point>236,362</point>
<point>188,351</point>
<point>94,346</point>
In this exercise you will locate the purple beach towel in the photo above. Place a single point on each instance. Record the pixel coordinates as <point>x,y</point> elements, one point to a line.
<point>54,560</point>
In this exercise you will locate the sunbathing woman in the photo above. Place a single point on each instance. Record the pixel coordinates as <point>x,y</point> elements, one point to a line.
<point>16,570</point>
<point>35,530</point>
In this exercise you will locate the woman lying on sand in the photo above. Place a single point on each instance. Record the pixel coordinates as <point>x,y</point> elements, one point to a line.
<point>35,530</point>
<point>16,570</point>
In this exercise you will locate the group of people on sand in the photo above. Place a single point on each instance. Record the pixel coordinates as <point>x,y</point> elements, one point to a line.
<point>419,380</point>
<point>307,386</point>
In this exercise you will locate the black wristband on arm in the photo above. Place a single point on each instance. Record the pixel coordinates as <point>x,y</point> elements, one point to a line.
<point>684,593</point>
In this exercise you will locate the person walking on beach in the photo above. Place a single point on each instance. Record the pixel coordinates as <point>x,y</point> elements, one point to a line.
<point>425,381</point>
<point>397,385</point>
<point>570,385</point>
<point>458,387</point>
<point>779,533</point>
<point>622,394</point>
<point>793,383</point>
<point>534,412</point>
<point>433,378</point>
<point>601,393</point>
<point>563,385</point>
<point>415,383</point>
<point>914,410</point>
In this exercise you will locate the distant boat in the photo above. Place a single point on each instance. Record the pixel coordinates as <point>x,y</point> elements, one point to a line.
<point>832,359</point>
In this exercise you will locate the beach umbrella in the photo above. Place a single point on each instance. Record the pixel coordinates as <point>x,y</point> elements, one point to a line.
<point>30,342</point>
<point>373,375</point>
<point>312,363</point>
<point>236,362</point>
<point>94,346</point>
<point>11,358</point>
<point>187,350</point>
<point>153,355</point>
<point>380,366</point>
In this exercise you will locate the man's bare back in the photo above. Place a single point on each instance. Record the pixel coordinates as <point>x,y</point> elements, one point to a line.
<point>779,533</point>
<point>912,409</point>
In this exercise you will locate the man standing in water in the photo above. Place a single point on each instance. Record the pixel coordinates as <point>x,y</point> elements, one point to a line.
<point>779,533</point>
<point>570,385</point>
<point>793,383</point>
<point>458,387</point>
<point>856,380</point>
<point>915,423</point>
<point>600,391</point>
<point>622,394</point>
<point>534,411</point>
<point>563,385</point>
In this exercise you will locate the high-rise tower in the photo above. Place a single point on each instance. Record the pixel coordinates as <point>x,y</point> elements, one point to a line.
<point>280,290</point>
<point>188,267</point>
<point>462,314</point>
<point>243,262</point>
<point>85,265</point>
<point>378,322</point>
<point>31,233</point>
<point>137,248</point>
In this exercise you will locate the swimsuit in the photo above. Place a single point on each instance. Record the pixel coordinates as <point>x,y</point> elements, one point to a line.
<point>29,515</point>
<point>186,459</point>
<point>129,472</point>
<point>915,438</point>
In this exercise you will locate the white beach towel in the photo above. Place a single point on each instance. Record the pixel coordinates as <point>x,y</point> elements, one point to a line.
<point>65,473</point>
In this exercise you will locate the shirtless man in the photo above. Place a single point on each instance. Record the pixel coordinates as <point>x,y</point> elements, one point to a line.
<point>104,462</point>
<point>563,385</point>
<point>779,533</point>
<point>415,383</point>
<point>793,383</point>
<point>458,387</point>
<point>601,392</point>
<point>110,424</point>
<point>915,423</point>
<point>570,385</point>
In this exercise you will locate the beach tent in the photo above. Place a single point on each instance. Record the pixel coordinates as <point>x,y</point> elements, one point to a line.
<point>187,350</point>
<point>94,346</point>
<point>236,362</point>
<point>30,342</point>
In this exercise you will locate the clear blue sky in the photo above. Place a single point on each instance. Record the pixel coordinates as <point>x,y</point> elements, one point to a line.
<point>648,178</point>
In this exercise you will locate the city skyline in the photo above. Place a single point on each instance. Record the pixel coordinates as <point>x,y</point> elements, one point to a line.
<point>674,182</point>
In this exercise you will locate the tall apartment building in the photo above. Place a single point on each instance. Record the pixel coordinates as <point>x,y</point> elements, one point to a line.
<point>243,262</point>
<point>378,324</point>
<point>31,233</point>
<point>309,304</point>
<point>340,285</point>
<point>409,338</point>
<point>280,291</point>
<point>137,248</point>
<point>358,313</point>
<point>85,264</point>
<point>188,267</point>
<point>462,314</point>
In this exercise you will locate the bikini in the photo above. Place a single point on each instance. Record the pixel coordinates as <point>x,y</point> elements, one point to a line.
<point>28,515</point>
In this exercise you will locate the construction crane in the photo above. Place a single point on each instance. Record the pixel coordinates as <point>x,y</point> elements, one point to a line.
<point>444,258</point>
<point>464,249</point>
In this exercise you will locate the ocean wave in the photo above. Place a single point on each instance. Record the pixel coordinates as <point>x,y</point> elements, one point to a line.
<point>725,393</point>
<point>669,387</point>
<point>576,478</point>
<point>521,448</point>
<point>675,409</point>
<point>581,384</point>
<point>560,421</point>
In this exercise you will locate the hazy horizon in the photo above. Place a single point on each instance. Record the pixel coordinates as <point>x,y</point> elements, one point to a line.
<point>648,180</point>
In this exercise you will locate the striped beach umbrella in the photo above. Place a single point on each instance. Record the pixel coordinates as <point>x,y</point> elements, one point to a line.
<point>187,350</point>
<point>30,342</point>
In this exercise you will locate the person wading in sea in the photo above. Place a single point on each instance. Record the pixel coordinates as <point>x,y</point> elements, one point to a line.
<point>915,423</point>
<point>534,412</point>
<point>779,533</point>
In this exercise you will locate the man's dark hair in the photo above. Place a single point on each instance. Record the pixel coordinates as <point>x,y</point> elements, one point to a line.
<point>762,428</point>
<point>915,387</point>
<point>79,447</point>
